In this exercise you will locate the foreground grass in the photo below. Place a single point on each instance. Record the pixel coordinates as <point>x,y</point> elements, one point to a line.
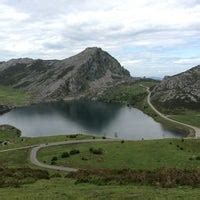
<point>135,155</point>
<point>64,188</point>
<point>148,155</point>
<point>10,96</point>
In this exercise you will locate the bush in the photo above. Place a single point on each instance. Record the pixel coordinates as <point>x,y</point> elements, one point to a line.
<point>104,137</point>
<point>84,158</point>
<point>15,177</point>
<point>98,151</point>
<point>53,162</point>
<point>198,158</point>
<point>56,175</point>
<point>73,136</point>
<point>164,177</point>
<point>74,152</point>
<point>122,142</point>
<point>65,155</point>
<point>54,158</point>
<point>91,149</point>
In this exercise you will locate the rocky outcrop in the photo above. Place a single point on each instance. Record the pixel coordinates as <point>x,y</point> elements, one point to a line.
<point>84,75</point>
<point>181,90</point>
<point>5,109</point>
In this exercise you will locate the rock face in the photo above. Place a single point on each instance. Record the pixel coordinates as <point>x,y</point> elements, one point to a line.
<point>82,75</point>
<point>5,109</point>
<point>182,90</point>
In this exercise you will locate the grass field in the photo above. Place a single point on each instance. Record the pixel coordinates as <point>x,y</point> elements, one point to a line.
<point>10,96</point>
<point>135,155</point>
<point>183,154</point>
<point>65,189</point>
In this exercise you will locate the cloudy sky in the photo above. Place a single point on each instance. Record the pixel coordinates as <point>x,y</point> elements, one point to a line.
<point>148,37</point>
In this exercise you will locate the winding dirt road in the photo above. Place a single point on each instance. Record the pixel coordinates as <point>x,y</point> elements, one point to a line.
<point>197,130</point>
<point>34,151</point>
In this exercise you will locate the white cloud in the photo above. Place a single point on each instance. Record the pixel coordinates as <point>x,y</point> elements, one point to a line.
<point>130,62</point>
<point>143,33</point>
<point>187,61</point>
<point>9,14</point>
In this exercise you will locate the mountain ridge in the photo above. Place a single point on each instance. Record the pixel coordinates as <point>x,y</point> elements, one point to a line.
<point>83,75</point>
<point>180,90</point>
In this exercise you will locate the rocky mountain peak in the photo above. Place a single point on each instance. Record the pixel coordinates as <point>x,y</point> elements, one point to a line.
<point>84,75</point>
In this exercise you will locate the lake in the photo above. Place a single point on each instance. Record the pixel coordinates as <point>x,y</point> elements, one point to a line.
<point>105,119</point>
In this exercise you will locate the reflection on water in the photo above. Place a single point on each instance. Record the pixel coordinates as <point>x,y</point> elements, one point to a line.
<point>112,120</point>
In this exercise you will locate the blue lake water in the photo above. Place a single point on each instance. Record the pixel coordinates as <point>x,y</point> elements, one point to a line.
<point>111,120</point>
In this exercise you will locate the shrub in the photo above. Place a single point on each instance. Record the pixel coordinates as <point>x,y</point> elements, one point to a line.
<point>104,137</point>
<point>54,158</point>
<point>56,175</point>
<point>84,158</point>
<point>198,158</point>
<point>122,142</point>
<point>17,176</point>
<point>96,151</point>
<point>74,152</point>
<point>73,136</point>
<point>53,162</point>
<point>164,177</point>
<point>65,155</point>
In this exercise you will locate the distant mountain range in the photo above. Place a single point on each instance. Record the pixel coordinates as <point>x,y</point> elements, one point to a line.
<point>181,90</point>
<point>84,75</point>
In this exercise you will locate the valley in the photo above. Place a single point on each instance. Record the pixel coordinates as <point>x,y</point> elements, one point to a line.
<point>164,157</point>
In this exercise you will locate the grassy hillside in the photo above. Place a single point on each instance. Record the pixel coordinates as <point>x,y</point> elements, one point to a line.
<point>187,116</point>
<point>132,94</point>
<point>183,154</point>
<point>10,96</point>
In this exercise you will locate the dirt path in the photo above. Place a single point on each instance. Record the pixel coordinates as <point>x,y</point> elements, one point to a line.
<point>34,151</point>
<point>197,130</point>
<point>18,148</point>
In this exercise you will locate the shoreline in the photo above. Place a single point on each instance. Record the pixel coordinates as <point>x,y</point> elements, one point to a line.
<point>142,105</point>
<point>184,133</point>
